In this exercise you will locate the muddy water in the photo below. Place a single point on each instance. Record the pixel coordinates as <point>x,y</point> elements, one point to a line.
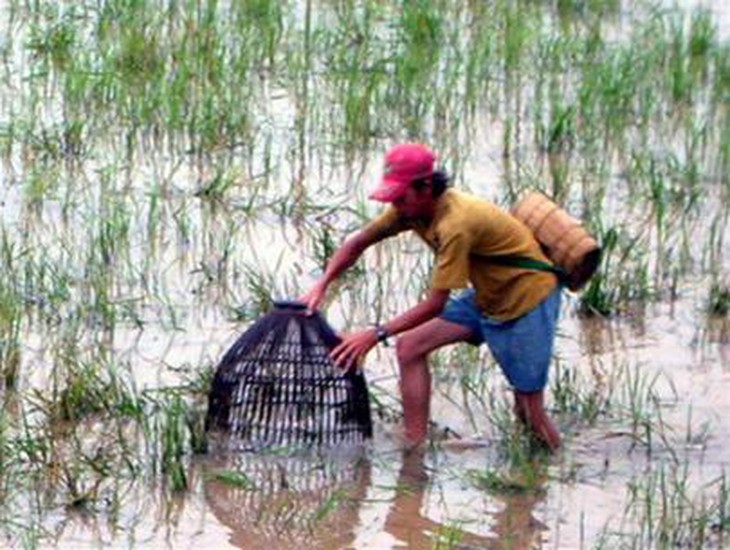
<point>381,497</point>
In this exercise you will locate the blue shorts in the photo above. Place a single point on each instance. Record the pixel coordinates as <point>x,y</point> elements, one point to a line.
<point>523,347</point>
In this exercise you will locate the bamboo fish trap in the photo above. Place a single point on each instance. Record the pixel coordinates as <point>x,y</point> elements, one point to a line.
<point>277,386</point>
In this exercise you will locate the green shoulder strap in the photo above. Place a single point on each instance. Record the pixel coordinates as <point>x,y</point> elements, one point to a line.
<point>528,263</point>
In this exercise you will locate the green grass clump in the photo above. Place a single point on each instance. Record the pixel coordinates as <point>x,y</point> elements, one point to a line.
<point>718,303</point>
<point>508,484</point>
<point>233,478</point>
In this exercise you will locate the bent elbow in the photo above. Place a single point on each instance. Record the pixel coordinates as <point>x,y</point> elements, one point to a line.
<point>438,301</point>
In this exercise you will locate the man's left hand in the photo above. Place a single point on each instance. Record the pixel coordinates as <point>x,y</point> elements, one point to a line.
<point>351,352</point>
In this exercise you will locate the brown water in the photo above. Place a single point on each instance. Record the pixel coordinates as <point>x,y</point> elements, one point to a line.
<point>384,498</point>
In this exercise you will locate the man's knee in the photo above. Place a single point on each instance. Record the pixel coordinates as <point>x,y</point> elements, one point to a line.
<point>408,348</point>
<point>417,343</point>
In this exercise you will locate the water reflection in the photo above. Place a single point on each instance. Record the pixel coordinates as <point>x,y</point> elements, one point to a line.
<point>513,526</point>
<point>285,502</point>
<point>320,502</point>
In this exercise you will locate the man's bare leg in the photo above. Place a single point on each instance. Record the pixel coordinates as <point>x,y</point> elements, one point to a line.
<point>412,349</point>
<point>530,409</point>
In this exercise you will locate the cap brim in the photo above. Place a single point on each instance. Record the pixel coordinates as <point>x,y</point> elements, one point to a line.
<point>389,190</point>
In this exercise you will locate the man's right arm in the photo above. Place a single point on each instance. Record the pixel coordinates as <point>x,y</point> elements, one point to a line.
<point>342,259</point>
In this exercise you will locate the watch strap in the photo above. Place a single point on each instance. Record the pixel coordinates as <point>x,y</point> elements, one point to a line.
<point>382,334</point>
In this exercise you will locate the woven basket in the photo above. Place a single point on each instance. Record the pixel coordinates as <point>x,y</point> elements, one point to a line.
<point>277,386</point>
<point>563,238</point>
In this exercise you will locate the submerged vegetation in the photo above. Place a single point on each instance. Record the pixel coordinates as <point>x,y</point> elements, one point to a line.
<point>169,166</point>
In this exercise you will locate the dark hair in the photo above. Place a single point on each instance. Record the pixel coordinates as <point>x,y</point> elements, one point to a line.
<point>439,182</point>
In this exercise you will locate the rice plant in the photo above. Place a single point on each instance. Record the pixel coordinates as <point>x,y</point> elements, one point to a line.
<point>11,314</point>
<point>665,510</point>
<point>576,397</point>
<point>718,301</point>
<point>448,537</point>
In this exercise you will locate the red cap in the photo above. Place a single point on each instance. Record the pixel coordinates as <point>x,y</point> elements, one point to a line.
<point>404,164</point>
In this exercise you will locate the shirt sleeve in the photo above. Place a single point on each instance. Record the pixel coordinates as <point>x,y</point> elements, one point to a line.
<point>452,262</point>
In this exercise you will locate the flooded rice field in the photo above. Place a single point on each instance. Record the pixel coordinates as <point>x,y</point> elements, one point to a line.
<point>169,169</point>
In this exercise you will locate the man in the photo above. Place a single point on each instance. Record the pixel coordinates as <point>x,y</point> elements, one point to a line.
<point>513,309</point>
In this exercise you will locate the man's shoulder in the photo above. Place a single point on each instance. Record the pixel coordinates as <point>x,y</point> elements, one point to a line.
<point>463,199</point>
<point>386,223</point>
<point>461,207</point>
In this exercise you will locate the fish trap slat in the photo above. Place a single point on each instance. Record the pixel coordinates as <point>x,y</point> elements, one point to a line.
<point>277,386</point>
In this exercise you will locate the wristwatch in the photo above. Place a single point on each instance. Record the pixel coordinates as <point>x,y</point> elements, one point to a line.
<point>382,334</point>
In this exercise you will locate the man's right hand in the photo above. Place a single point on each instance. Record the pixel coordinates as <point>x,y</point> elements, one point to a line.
<point>314,296</point>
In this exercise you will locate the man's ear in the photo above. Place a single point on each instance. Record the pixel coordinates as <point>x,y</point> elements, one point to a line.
<point>424,185</point>
<point>428,186</point>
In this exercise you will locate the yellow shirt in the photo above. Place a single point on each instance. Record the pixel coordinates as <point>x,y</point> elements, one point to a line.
<point>464,233</point>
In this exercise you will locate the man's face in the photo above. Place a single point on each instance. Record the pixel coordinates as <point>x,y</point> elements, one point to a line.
<point>415,203</point>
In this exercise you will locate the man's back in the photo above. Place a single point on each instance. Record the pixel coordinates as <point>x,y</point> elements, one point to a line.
<point>465,233</point>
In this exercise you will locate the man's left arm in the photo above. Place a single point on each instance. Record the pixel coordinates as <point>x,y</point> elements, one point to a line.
<point>354,347</point>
